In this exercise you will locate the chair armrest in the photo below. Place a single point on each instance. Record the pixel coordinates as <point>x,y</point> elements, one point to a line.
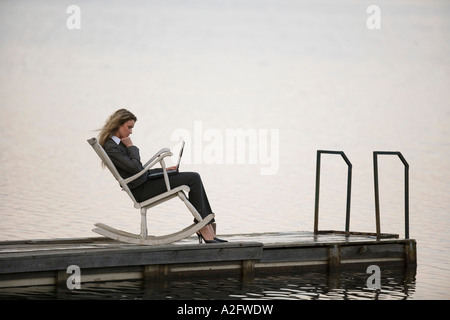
<point>157,158</point>
<point>156,199</point>
<point>163,150</point>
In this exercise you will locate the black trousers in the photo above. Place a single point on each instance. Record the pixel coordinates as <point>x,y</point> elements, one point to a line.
<point>197,195</point>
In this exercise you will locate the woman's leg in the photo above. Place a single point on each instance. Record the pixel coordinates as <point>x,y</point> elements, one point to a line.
<point>197,194</point>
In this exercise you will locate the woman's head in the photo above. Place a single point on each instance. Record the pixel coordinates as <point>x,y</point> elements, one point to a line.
<point>120,122</point>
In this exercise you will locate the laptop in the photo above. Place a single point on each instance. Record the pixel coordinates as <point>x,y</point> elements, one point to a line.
<point>158,173</point>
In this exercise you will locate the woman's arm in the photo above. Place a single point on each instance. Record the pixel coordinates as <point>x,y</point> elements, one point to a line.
<point>127,160</point>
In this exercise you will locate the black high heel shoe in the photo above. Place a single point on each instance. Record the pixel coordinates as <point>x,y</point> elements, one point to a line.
<point>200,237</point>
<point>215,238</point>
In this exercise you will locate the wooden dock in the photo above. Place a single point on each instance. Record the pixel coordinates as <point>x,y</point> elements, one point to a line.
<point>45,262</point>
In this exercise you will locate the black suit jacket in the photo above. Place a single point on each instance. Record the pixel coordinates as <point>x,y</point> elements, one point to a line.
<point>126,160</point>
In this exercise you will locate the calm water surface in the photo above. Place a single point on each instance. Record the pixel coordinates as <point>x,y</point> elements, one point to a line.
<point>396,284</point>
<point>310,70</point>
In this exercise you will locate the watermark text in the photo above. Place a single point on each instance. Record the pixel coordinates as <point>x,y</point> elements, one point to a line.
<point>73,21</point>
<point>373,21</point>
<point>374,280</point>
<point>74,280</point>
<point>231,146</point>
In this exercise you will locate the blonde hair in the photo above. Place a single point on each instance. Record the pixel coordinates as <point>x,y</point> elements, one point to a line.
<point>113,123</point>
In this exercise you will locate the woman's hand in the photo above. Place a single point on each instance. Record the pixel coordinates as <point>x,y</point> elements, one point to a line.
<point>127,141</point>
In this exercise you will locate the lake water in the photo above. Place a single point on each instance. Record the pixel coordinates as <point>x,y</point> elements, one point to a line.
<point>298,75</point>
<point>395,285</point>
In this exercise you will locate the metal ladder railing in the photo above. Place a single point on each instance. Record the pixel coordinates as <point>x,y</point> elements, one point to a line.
<point>349,188</point>
<point>377,195</point>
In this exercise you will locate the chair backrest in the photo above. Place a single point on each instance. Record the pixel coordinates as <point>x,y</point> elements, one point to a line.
<point>110,165</point>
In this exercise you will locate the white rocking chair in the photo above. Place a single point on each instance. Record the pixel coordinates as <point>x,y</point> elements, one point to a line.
<point>144,238</point>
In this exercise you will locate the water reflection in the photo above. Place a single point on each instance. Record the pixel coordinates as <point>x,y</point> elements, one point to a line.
<point>396,284</point>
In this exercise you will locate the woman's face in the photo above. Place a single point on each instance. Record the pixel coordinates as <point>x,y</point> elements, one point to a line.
<point>126,129</point>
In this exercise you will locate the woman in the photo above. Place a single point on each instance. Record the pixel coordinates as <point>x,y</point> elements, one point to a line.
<point>114,137</point>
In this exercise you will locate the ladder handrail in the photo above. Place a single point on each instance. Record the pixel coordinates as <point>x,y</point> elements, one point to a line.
<point>376,187</point>
<point>349,186</point>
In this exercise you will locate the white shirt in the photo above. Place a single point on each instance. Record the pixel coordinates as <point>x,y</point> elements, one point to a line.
<point>116,139</point>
